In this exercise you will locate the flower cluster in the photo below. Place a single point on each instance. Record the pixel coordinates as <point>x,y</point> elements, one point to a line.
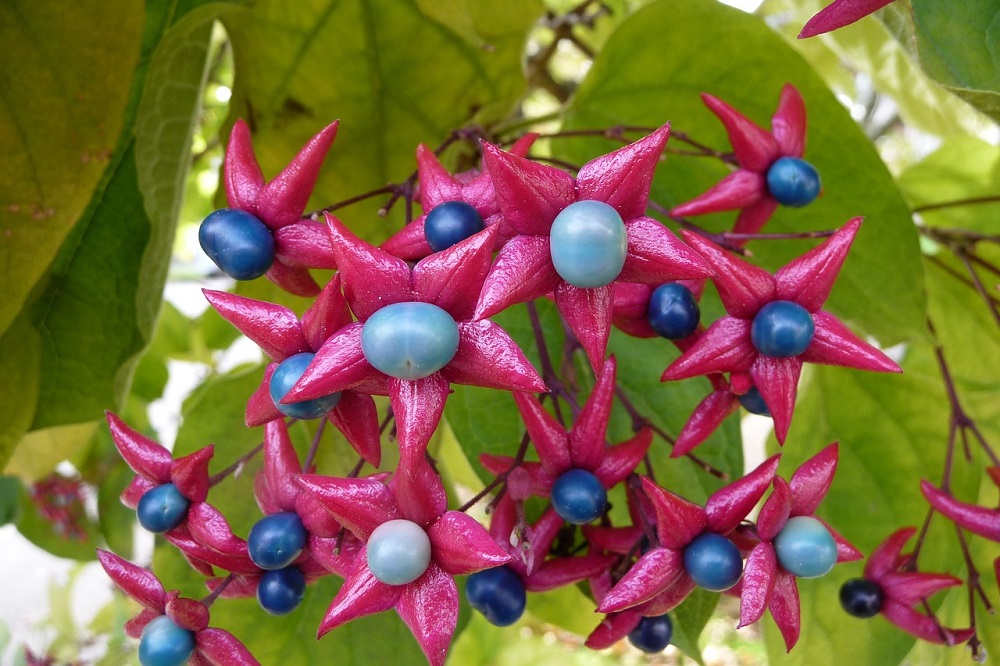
<point>412,319</point>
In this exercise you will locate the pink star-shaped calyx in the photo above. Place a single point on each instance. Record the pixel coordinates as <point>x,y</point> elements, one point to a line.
<point>584,446</point>
<point>437,186</point>
<point>459,545</point>
<point>281,334</point>
<point>765,584</point>
<point>839,14</point>
<point>299,244</point>
<point>531,195</point>
<point>803,286</point>
<point>154,466</point>
<point>451,279</point>
<point>213,647</point>
<point>756,150</point>
<point>902,589</point>
<point>678,523</point>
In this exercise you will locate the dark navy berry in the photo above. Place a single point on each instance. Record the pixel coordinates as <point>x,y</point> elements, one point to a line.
<point>498,594</point>
<point>279,592</point>
<point>861,597</point>
<point>239,243</point>
<point>282,381</point>
<point>672,311</point>
<point>450,223</point>
<point>653,634</point>
<point>162,508</point>
<point>782,329</point>
<point>578,496</point>
<point>713,562</point>
<point>793,182</point>
<point>163,643</point>
<point>753,402</point>
<point>276,540</point>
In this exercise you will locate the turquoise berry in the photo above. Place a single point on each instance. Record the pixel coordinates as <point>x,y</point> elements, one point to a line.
<point>753,402</point>
<point>239,243</point>
<point>793,181</point>
<point>399,552</point>
<point>579,497</point>
<point>280,591</point>
<point>653,634</point>
<point>588,244</point>
<point>276,540</point>
<point>163,643</point>
<point>713,562</point>
<point>782,329</point>
<point>409,340</point>
<point>805,547</point>
<point>672,311</point>
<point>498,594</point>
<point>450,223</point>
<point>284,378</point>
<point>162,508</point>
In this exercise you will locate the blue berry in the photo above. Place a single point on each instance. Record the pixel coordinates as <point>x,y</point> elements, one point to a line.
<point>497,593</point>
<point>578,496</point>
<point>653,634</point>
<point>284,378</point>
<point>793,181</point>
<point>163,643</point>
<point>409,340</point>
<point>753,402</point>
<point>276,540</point>
<point>239,243</point>
<point>713,562</point>
<point>861,597</point>
<point>672,311</point>
<point>450,223</point>
<point>162,508</point>
<point>805,547</point>
<point>782,329</point>
<point>399,552</point>
<point>280,591</point>
<point>588,244</point>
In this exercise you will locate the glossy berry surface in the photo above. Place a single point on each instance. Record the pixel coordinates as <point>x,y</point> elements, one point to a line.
<point>498,594</point>
<point>279,592</point>
<point>793,182</point>
<point>399,552</point>
<point>163,643</point>
<point>672,311</point>
<point>239,244</point>
<point>162,508</point>
<point>588,244</point>
<point>782,329</point>
<point>653,634</point>
<point>284,378</point>
<point>450,223</point>
<point>578,496</point>
<point>753,402</point>
<point>276,540</point>
<point>805,547</point>
<point>713,562</point>
<point>861,597</point>
<point>409,340</point>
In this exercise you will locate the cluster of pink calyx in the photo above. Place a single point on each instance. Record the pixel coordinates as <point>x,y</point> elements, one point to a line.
<point>408,320</point>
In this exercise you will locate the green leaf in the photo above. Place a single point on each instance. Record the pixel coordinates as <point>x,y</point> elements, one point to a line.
<point>41,450</point>
<point>20,354</point>
<point>61,111</point>
<point>298,71</point>
<point>10,499</point>
<point>651,72</point>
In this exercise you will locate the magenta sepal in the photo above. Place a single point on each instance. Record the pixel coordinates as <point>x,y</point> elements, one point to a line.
<point>360,505</point>
<point>755,150</point>
<point>757,586</point>
<point>704,420</point>
<point>727,507</point>
<point>652,574</point>
<point>838,14</point>
<point>461,546</point>
<point>977,519</point>
<point>144,587</point>
<point>429,607</point>
<point>275,328</point>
